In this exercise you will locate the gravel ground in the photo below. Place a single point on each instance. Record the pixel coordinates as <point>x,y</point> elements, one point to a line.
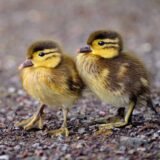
<point>70,22</point>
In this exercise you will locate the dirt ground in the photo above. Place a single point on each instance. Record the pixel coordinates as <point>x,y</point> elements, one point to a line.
<point>70,22</point>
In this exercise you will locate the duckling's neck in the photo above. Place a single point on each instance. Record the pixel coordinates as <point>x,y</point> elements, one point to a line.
<point>106,53</point>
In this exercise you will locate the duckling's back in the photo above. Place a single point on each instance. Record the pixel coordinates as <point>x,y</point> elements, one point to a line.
<point>114,80</point>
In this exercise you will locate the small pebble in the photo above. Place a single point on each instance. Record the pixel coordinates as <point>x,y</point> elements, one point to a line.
<point>36,145</point>
<point>21,92</point>
<point>64,147</point>
<point>39,152</point>
<point>11,90</point>
<point>155,136</point>
<point>132,141</point>
<point>142,149</point>
<point>102,113</point>
<point>79,145</point>
<point>17,147</point>
<point>68,157</point>
<point>131,151</point>
<point>2,125</point>
<point>4,157</point>
<point>81,130</point>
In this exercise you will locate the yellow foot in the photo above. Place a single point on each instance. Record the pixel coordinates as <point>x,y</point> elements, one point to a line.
<point>62,131</point>
<point>113,119</point>
<point>104,132</point>
<point>112,125</point>
<point>36,121</point>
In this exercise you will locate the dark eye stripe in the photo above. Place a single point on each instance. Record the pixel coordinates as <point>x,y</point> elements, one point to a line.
<point>43,53</point>
<point>101,43</point>
<point>115,47</point>
<point>111,43</point>
<point>50,52</point>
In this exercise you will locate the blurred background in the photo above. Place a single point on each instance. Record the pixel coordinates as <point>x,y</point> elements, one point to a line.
<point>70,22</point>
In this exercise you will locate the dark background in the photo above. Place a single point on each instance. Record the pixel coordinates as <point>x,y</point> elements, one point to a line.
<point>70,22</point>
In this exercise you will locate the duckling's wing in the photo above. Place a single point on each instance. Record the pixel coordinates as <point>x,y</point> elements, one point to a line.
<point>75,82</point>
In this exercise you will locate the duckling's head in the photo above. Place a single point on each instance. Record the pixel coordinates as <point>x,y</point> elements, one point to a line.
<point>103,43</point>
<point>43,54</point>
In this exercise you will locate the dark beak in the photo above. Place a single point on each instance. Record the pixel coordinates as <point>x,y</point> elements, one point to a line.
<point>85,49</point>
<point>26,63</point>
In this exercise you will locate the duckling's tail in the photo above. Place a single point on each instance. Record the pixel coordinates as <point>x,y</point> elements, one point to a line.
<point>150,104</point>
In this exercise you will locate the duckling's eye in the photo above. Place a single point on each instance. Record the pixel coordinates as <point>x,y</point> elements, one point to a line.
<point>101,43</point>
<point>41,54</point>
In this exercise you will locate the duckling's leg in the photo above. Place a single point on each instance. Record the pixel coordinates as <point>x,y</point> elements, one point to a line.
<point>36,121</point>
<point>63,130</point>
<point>121,123</point>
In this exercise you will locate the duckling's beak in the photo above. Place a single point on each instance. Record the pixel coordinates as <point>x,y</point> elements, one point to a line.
<point>85,49</point>
<point>26,63</point>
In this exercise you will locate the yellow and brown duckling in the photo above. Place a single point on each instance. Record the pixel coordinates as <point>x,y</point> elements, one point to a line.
<point>50,77</point>
<point>115,76</point>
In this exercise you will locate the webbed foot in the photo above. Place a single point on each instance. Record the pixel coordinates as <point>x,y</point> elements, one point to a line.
<point>36,121</point>
<point>61,131</point>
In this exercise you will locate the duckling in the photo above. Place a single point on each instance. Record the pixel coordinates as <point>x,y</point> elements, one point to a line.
<point>118,78</point>
<point>50,76</point>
